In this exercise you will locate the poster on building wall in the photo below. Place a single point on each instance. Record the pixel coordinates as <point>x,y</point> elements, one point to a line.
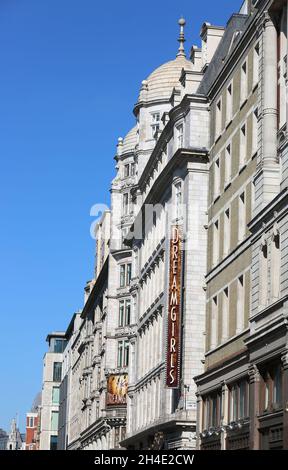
<point>174,310</point>
<point>117,388</point>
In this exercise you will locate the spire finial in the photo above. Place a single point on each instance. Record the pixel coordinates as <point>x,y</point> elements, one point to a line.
<point>181,39</point>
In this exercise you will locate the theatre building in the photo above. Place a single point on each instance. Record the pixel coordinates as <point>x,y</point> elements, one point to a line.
<point>168,240</point>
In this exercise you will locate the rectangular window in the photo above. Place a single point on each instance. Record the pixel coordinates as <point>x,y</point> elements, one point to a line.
<point>122,275</point>
<point>127,312</point>
<point>228,164</point>
<point>155,125</point>
<point>121,312</point>
<point>133,169</point>
<point>272,384</point>
<point>263,276</point>
<point>212,411</point>
<point>275,267</point>
<point>55,395</point>
<point>128,274</point>
<point>126,170</point>
<point>229,104</point>
<point>218,120</point>
<point>124,313</point>
<point>225,315</point>
<point>59,345</point>
<point>244,83</point>
<point>123,353</point>
<point>125,274</point>
<point>243,146</point>
<point>180,136</point>
<point>227,232</point>
<point>216,178</point>
<point>57,371</point>
<point>256,57</point>
<point>53,442</point>
<point>215,243</point>
<point>240,305</point>
<point>242,217</point>
<point>31,422</point>
<point>214,323</point>
<point>255,131</point>
<point>239,401</point>
<point>54,420</point>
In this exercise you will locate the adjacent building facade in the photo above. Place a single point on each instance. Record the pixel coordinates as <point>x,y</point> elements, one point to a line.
<point>52,376</point>
<point>182,339</point>
<point>242,395</point>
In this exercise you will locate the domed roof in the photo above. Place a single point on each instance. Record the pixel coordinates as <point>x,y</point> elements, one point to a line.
<point>130,141</point>
<point>160,83</point>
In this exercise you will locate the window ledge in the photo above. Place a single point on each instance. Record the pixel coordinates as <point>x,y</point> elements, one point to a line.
<point>243,167</point>
<point>228,124</point>
<point>218,137</point>
<point>243,103</point>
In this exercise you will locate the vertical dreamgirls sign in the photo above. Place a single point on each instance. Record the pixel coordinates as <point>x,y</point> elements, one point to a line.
<point>174,311</point>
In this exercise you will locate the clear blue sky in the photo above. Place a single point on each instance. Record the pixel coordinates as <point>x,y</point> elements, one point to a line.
<point>70,72</point>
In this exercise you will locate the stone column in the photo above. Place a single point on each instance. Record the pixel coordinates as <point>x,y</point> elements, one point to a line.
<point>254,406</point>
<point>285,400</point>
<point>267,179</point>
<point>270,111</point>
<point>225,415</point>
<point>199,421</point>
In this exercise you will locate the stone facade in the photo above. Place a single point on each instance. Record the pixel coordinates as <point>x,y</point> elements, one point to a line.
<point>242,396</point>
<point>52,376</point>
<point>208,154</point>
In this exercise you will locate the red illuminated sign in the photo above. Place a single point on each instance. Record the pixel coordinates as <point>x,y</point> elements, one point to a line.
<point>174,311</point>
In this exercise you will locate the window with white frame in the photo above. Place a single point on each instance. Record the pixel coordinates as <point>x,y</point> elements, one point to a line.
<point>124,312</point>
<point>215,242</point>
<point>243,146</point>
<point>218,120</point>
<point>227,232</point>
<point>155,123</point>
<point>216,178</point>
<point>240,305</point>
<point>31,422</point>
<point>228,164</point>
<point>256,61</point>
<point>241,217</point>
<point>255,131</point>
<point>123,353</point>
<point>229,103</point>
<point>125,274</point>
<point>214,323</point>
<point>244,82</point>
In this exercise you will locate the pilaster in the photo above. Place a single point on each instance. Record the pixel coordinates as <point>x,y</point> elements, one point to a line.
<point>254,406</point>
